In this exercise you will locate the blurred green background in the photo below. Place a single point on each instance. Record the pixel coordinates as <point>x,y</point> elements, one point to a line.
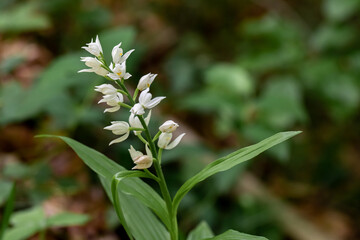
<point>234,72</point>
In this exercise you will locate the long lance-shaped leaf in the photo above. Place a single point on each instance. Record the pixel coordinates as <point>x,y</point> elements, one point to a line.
<point>141,221</point>
<point>202,231</point>
<point>230,161</point>
<point>106,168</point>
<point>114,190</point>
<point>8,210</point>
<point>235,235</point>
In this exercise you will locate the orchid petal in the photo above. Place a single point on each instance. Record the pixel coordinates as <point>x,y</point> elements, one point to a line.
<point>175,142</point>
<point>154,102</point>
<point>120,139</point>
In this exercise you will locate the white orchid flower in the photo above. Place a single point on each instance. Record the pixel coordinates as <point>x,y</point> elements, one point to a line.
<point>166,135</point>
<point>135,122</point>
<point>118,56</point>
<point>145,81</point>
<point>91,62</point>
<point>119,128</point>
<point>118,71</point>
<point>106,89</point>
<point>145,102</point>
<point>113,100</point>
<point>94,47</point>
<point>142,161</point>
<point>165,138</point>
<point>95,66</point>
<point>168,126</point>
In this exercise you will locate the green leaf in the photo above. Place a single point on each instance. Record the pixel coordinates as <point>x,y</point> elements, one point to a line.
<point>142,223</point>
<point>5,189</point>
<point>230,79</point>
<point>235,235</point>
<point>67,219</point>
<point>107,168</point>
<point>35,215</point>
<point>116,200</point>
<point>26,223</point>
<point>280,104</point>
<point>202,231</point>
<point>22,18</point>
<point>19,104</point>
<point>21,233</point>
<point>16,170</point>
<point>340,10</point>
<point>230,161</point>
<point>8,210</point>
<point>9,64</point>
<point>30,221</point>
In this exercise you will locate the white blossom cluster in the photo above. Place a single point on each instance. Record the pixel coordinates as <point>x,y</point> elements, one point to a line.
<point>114,98</point>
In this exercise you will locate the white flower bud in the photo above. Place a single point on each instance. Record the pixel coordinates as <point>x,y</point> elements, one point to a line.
<point>94,47</point>
<point>168,126</point>
<point>164,139</point>
<point>118,56</point>
<point>145,81</point>
<point>119,128</point>
<point>134,154</point>
<point>91,62</point>
<point>135,122</point>
<point>142,161</point>
<point>113,100</point>
<point>145,102</point>
<point>137,109</point>
<point>95,66</point>
<point>166,136</point>
<point>106,89</point>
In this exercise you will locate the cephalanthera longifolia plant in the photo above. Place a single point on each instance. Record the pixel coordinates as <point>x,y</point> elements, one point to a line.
<point>144,214</point>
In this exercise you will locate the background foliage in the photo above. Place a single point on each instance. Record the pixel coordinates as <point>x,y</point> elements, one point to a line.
<point>235,72</point>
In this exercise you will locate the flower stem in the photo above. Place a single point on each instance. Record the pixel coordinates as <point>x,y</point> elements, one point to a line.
<point>121,91</point>
<point>162,183</point>
<point>135,93</point>
<point>156,136</point>
<point>124,105</point>
<point>142,139</point>
<point>152,175</point>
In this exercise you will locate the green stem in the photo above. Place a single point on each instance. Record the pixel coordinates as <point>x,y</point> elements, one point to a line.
<point>135,93</point>
<point>160,155</point>
<point>156,136</point>
<point>135,129</point>
<point>162,183</point>
<point>124,105</point>
<point>121,84</point>
<point>9,207</point>
<point>121,91</point>
<point>42,234</point>
<point>151,175</point>
<point>142,139</point>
